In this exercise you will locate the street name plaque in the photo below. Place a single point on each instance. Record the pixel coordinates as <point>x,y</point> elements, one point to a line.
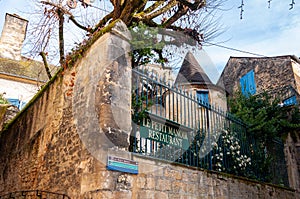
<point>121,164</point>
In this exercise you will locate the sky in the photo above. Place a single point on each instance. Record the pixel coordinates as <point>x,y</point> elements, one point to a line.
<point>265,31</point>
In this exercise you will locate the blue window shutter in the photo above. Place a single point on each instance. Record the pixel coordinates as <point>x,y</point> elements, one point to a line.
<point>290,101</point>
<point>14,102</point>
<point>247,83</point>
<point>203,97</point>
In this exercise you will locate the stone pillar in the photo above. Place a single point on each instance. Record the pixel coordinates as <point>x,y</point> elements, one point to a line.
<point>13,36</point>
<point>102,93</point>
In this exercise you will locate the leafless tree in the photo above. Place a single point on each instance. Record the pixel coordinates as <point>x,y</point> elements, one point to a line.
<point>195,18</point>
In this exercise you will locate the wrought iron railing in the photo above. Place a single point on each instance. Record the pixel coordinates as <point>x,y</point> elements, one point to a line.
<point>170,123</point>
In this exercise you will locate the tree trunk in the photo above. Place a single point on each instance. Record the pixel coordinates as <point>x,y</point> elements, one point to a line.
<point>61,37</point>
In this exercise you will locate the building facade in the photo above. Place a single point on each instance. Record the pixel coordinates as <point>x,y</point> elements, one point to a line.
<point>255,75</point>
<point>280,77</point>
<point>20,77</point>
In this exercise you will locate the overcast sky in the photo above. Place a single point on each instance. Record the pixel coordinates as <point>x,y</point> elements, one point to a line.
<point>266,31</point>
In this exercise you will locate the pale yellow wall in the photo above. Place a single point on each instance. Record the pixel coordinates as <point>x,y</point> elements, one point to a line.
<point>296,70</point>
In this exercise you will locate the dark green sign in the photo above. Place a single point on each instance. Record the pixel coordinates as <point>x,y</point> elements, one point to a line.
<point>164,133</point>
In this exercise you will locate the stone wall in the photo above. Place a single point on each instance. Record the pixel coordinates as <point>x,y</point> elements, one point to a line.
<point>292,152</point>
<point>269,72</point>
<point>7,113</point>
<point>61,140</point>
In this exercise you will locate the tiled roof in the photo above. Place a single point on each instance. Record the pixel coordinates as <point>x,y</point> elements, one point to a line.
<point>25,68</point>
<point>295,58</point>
<point>191,72</point>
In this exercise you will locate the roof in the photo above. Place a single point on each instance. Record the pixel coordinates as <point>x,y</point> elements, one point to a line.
<point>191,72</point>
<point>25,69</point>
<point>294,57</point>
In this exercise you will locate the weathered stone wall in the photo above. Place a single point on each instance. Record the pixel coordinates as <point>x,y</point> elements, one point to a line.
<point>269,72</point>
<point>54,145</point>
<point>7,113</point>
<point>12,37</point>
<point>292,152</point>
<point>296,70</point>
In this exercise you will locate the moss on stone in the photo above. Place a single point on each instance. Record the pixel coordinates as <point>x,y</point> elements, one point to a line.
<point>81,50</point>
<point>25,68</point>
<point>32,101</point>
<point>71,59</point>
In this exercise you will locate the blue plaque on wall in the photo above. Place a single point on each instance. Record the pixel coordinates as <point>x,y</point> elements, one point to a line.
<point>121,164</point>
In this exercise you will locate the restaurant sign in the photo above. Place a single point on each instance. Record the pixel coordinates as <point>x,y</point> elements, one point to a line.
<point>165,132</point>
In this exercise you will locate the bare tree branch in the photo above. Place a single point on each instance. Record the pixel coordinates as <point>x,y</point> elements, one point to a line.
<point>162,10</point>
<point>103,21</point>
<point>43,55</point>
<point>79,25</point>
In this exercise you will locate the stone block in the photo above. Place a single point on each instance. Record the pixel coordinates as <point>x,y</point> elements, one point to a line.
<point>141,182</point>
<point>161,195</point>
<point>172,174</point>
<point>150,183</point>
<point>163,185</point>
<point>146,194</point>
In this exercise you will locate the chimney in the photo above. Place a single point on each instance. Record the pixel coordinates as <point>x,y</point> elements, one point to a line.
<point>13,36</point>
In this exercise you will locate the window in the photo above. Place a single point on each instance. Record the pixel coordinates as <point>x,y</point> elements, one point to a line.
<point>202,97</point>
<point>16,103</point>
<point>247,83</point>
<point>290,101</point>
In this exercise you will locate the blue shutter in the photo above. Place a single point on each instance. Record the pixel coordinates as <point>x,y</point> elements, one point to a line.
<point>247,83</point>
<point>202,97</point>
<point>290,101</point>
<point>16,102</point>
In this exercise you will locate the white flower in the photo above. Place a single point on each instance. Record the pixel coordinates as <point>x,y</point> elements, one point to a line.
<point>214,144</point>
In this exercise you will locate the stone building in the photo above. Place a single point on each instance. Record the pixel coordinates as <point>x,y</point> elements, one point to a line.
<point>60,146</point>
<point>193,78</point>
<point>159,72</point>
<point>20,77</point>
<point>279,76</point>
<point>258,74</point>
